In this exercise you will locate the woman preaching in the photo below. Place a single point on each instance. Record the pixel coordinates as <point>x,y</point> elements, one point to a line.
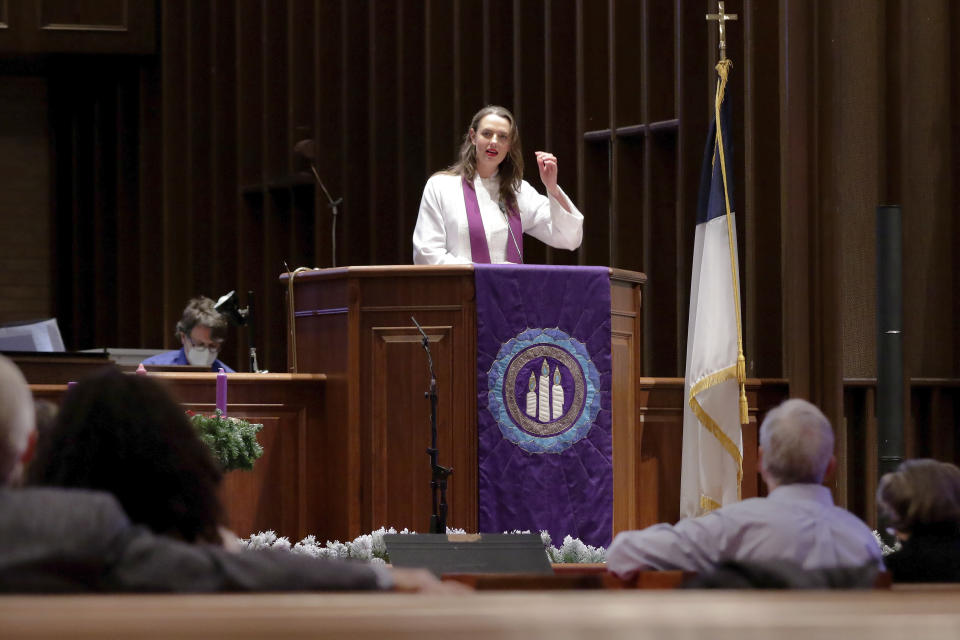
<point>478,209</point>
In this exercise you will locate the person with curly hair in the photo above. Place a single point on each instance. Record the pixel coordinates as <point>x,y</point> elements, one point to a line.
<point>201,331</point>
<point>478,209</point>
<point>921,502</point>
<point>123,434</point>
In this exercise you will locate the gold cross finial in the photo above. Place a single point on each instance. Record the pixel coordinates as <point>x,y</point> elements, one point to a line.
<point>721,19</point>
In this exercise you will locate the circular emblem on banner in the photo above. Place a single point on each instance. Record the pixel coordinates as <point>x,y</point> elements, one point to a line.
<point>543,390</point>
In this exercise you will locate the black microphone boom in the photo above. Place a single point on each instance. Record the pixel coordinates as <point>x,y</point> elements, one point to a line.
<point>304,149</point>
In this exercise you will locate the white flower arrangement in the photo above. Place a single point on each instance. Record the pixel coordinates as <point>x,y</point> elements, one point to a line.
<point>372,548</point>
<point>886,549</point>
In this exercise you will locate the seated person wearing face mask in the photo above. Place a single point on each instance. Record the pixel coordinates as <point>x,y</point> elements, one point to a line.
<point>201,331</point>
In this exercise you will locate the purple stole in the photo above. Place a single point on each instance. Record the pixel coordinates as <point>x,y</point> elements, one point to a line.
<point>478,237</point>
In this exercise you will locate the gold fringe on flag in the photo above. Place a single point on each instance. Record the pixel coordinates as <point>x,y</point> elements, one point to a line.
<point>723,69</point>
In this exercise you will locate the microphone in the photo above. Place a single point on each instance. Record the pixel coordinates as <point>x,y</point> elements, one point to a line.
<point>506,218</point>
<point>304,149</point>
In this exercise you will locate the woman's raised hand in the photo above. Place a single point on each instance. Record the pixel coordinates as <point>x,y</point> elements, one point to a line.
<point>547,163</point>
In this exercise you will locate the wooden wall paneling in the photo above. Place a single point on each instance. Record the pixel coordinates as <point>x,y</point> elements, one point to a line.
<point>692,84</point>
<point>629,185</point>
<point>932,428</point>
<point>301,54</point>
<point>468,60</point>
<point>149,242</point>
<point>104,27</point>
<point>200,225</point>
<point>662,326</point>
<point>128,258</point>
<point>443,134</point>
<point>178,242</point>
<point>560,119</point>
<point>249,96</point>
<point>596,165</point>
<point>661,405</point>
<point>530,100</point>
<point>105,212</point>
<point>409,128</point>
<point>227,208</point>
<point>596,200</point>
<point>327,82</point>
<point>859,448</point>
<point>356,136</point>
<point>8,36</point>
<point>761,277</point>
<point>27,169</point>
<point>276,132</point>
<point>736,93</point>
<point>852,172</point>
<point>929,212</point>
<point>797,199</point>
<point>629,65</point>
<point>498,85</point>
<point>383,155</point>
<point>955,158</point>
<point>825,307</point>
<point>64,258</point>
<point>659,61</point>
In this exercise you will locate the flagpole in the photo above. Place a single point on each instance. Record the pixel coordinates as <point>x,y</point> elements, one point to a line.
<point>723,68</point>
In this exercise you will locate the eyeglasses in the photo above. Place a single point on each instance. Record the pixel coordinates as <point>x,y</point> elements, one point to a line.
<point>213,347</point>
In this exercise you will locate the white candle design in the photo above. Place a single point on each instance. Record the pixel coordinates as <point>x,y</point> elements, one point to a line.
<point>532,396</point>
<point>556,391</point>
<point>543,393</point>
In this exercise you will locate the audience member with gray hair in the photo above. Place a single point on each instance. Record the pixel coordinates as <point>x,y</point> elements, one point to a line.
<point>17,423</point>
<point>796,523</point>
<point>63,540</point>
<point>921,503</point>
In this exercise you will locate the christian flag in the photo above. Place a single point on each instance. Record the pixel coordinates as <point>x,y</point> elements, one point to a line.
<point>712,464</point>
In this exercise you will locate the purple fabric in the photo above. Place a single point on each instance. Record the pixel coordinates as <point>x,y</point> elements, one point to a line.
<point>479,250</point>
<point>565,493</point>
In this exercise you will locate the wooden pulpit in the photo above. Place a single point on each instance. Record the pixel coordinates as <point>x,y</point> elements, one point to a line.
<point>354,325</point>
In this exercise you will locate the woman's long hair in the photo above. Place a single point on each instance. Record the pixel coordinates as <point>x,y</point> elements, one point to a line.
<point>510,170</point>
<point>125,435</point>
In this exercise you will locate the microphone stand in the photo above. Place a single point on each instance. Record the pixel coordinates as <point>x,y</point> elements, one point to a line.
<point>334,205</point>
<point>438,474</point>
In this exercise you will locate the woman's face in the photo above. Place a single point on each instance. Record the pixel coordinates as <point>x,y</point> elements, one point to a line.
<point>492,142</point>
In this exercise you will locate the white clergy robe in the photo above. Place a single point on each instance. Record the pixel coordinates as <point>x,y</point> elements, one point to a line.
<point>442,235</point>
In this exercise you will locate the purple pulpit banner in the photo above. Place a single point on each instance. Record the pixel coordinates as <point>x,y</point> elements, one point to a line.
<point>544,374</point>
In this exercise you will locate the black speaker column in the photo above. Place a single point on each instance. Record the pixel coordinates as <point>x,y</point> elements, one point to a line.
<point>889,338</point>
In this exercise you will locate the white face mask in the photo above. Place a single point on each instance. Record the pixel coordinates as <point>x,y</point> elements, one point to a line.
<point>200,357</point>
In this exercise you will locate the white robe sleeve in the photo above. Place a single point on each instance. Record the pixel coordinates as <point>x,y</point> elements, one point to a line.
<point>545,219</point>
<point>430,242</point>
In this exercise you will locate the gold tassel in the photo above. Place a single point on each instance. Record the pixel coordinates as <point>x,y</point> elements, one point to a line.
<point>741,379</point>
<point>744,416</point>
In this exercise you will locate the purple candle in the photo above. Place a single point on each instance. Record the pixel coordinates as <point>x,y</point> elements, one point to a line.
<point>222,392</point>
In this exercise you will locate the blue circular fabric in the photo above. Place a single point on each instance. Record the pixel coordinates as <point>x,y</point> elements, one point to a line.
<point>567,363</point>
